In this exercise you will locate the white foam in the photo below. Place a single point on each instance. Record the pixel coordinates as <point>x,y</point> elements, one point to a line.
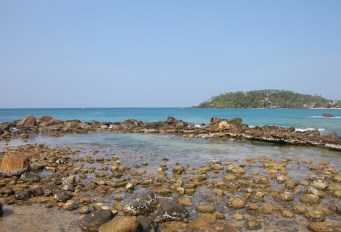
<point>323,117</point>
<point>309,129</point>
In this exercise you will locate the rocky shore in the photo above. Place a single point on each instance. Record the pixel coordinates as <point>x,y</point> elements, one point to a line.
<point>220,195</point>
<point>218,128</point>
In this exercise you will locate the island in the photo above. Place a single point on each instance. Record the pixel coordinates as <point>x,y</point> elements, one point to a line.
<point>268,98</point>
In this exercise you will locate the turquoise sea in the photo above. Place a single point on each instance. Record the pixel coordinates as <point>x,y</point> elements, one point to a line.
<point>302,119</point>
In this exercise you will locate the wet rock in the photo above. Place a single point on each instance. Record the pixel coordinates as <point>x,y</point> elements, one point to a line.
<point>178,170</point>
<point>319,184</point>
<point>38,191</point>
<point>29,176</point>
<point>185,201</point>
<point>62,196</point>
<point>310,199</point>
<point>142,205</point>
<point>337,178</point>
<point>122,224</point>
<point>328,226</point>
<point>208,223</point>
<point>85,210</point>
<point>129,187</point>
<point>69,183</point>
<point>14,164</point>
<point>91,222</point>
<point>169,211</point>
<point>236,203</point>
<point>299,209</point>
<point>147,224</point>
<point>287,214</point>
<point>316,215</point>
<point>284,196</point>
<point>253,224</point>
<point>1,211</point>
<point>70,205</point>
<point>328,115</point>
<point>23,195</point>
<point>206,208</point>
<point>7,191</point>
<point>238,217</point>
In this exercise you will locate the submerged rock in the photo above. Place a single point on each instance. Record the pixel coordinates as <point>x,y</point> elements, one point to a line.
<point>327,226</point>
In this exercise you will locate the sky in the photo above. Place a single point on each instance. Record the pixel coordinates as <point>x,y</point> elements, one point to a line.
<point>83,53</point>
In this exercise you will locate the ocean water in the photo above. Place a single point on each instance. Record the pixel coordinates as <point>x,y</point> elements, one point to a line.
<point>302,119</point>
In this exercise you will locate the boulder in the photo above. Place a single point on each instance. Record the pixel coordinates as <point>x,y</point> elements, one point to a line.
<point>29,121</point>
<point>62,196</point>
<point>142,205</point>
<point>147,224</point>
<point>122,224</point>
<point>170,211</point>
<point>91,222</point>
<point>23,195</point>
<point>45,119</point>
<point>14,164</point>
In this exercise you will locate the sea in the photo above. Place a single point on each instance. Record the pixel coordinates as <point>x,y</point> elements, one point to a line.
<point>301,119</point>
<point>154,148</point>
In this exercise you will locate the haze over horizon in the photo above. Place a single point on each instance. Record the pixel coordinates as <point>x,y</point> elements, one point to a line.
<point>164,53</point>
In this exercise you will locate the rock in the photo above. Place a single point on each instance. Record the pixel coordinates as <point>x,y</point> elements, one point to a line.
<point>327,226</point>
<point>206,208</point>
<point>29,121</point>
<point>238,217</point>
<point>142,205</point>
<point>38,191</point>
<point>7,191</point>
<point>1,211</point>
<point>70,182</point>
<point>45,119</point>
<point>62,196</point>
<point>147,224</point>
<point>319,184</point>
<point>23,195</point>
<point>310,199</point>
<point>178,170</point>
<point>85,210</point>
<point>91,222</point>
<point>218,125</point>
<point>328,115</point>
<point>14,164</point>
<point>122,224</point>
<point>315,215</point>
<point>253,224</point>
<point>236,203</point>
<point>29,176</point>
<point>169,211</point>
<point>70,205</point>
<point>186,201</point>
<point>208,223</point>
<point>284,196</point>
<point>129,187</point>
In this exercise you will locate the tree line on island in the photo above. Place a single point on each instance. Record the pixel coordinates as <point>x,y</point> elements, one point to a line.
<point>268,98</point>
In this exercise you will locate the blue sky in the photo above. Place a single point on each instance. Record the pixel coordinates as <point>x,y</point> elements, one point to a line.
<point>164,53</point>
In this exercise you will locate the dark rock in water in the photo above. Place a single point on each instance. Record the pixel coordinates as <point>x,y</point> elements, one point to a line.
<point>14,164</point>
<point>148,224</point>
<point>50,189</point>
<point>1,212</point>
<point>38,191</point>
<point>122,224</point>
<point>328,115</point>
<point>62,196</point>
<point>142,205</point>
<point>29,176</point>
<point>7,191</point>
<point>94,220</point>
<point>169,211</point>
<point>24,195</point>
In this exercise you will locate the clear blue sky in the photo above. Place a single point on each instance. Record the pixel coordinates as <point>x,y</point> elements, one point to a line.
<point>164,53</point>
